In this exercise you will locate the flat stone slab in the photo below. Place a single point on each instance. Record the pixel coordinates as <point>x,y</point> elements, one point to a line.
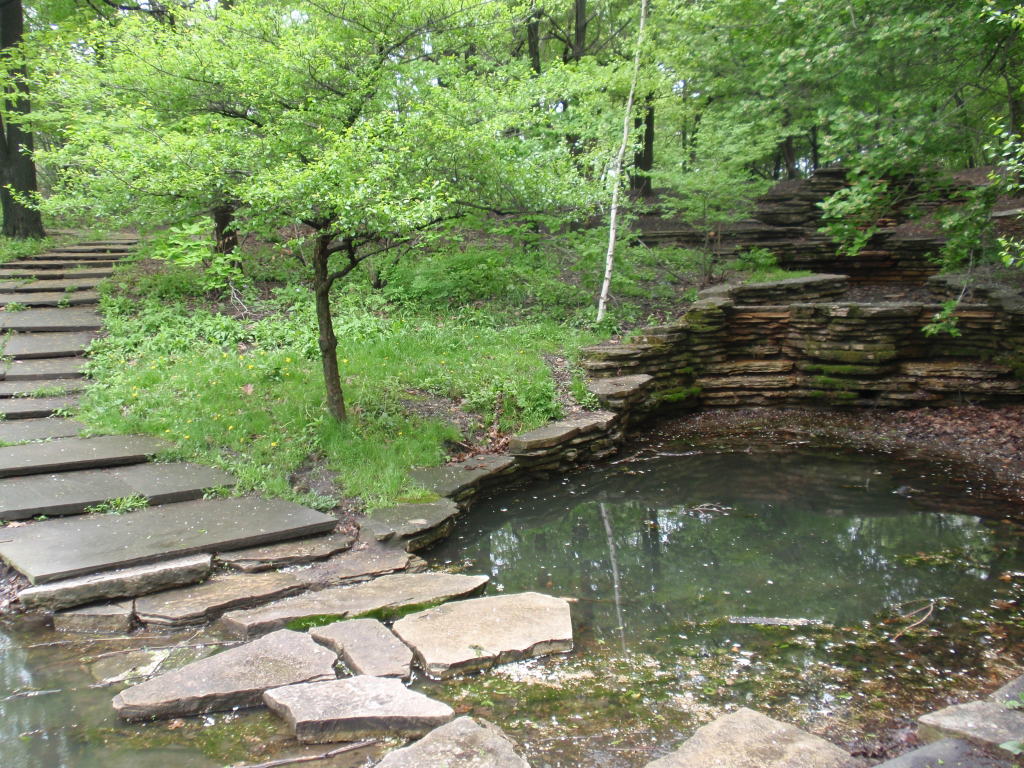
<point>61,271</point>
<point>479,634</point>
<point>618,387</point>
<point>73,546</point>
<point>28,430</point>
<point>124,582</point>
<point>465,742</point>
<point>44,370</point>
<point>53,387</point>
<point>287,553</point>
<point>32,285</point>
<point>559,432</point>
<point>77,453</point>
<point>234,678</point>
<point>387,594</point>
<point>1009,692</point>
<point>51,299</point>
<point>988,723</point>
<point>35,407</point>
<point>355,708</point>
<point>54,263</point>
<point>363,561</point>
<point>207,601</point>
<point>416,525</point>
<point>452,479</point>
<point>71,493</point>
<point>51,320</point>
<point>367,647</point>
<point>31,346</point>
<point>948,753</point>
<point>748,739</point>
<point>104,618</point>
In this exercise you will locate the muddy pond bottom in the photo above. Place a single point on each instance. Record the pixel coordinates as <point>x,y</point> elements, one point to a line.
<point>845,592</point>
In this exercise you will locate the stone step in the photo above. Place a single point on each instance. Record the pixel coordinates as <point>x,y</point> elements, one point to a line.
<point>30,430</point>
<point>71,493</point>
<point>31,285</point>
<point>107,252</point>
<point>73,546</point>
<point>35,346</point>
<point>367,647</point>
<point>51,320</point>
<point>948,753</point>
<point>65,265</point>
<point>77,453</point>
<point>207,601</point>
<point>463,743</point>
<point>53,273</point>
<point>44,370</point>
<point>51,388</point>
<point>985,723</point>
<point>52,299</point>
<point>12,408</point>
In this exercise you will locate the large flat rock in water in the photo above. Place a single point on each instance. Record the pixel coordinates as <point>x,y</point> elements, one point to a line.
<point>76,453</point>
<point>747,739</point>
<point>988,723</point>
<point>61,549</point>
<point>234,678</point>
<point>463,743</point>
<point>207,601</point>
<point>50,320</point>
<point>948,753</point>
<point>367,647</point>
<point>29,430</point>
<point>356,708</point>
<point>477,634</point>
<point>386,595</point>
<point>109,618</point>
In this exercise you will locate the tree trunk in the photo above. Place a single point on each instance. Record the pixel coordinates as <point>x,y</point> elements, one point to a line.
<point>325,323</point>
<point>225,238</point>
<point>643,159</point>
<point>17,170</point>
<point>789,157</point>
<point>533,39</point>
<point>579,38</point>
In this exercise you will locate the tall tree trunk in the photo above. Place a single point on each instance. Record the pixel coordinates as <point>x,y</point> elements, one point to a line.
<point>789,157</point>
<point>579,33</point>
<point>325,323</point>
<point>225,238</point>
<point>643,159</point>
<point>533,39</point>
<point>17,171</point>
<point>812,136</point>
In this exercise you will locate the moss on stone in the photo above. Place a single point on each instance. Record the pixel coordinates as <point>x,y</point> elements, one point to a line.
<point>829,382</point>
<point>678,395</point>
<point>840,370</point>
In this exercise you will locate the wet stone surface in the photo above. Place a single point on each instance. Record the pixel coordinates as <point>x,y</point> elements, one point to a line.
<point>414,526</point>
<point>988,723</point>
<point>205,602</point>
<point>462,743</point>
<point>110,618</point>
<point>948,753</point>
<point>367,647</point>
<point>297,552</point>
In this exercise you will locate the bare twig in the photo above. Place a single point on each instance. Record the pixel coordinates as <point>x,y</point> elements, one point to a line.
<point>919,622</point>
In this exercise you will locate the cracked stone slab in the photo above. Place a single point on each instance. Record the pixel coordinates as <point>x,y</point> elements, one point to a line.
<point>481,633</point>
<point>35,407</point>
<point>355,708</point>
<point>74,546</point>
<point>77,453</point>
<point>103,618</point>
<point>988,723</point>
<point>367,647</point>
<point>44,370</point>
<point>298,552</point>
<point>50,320</point>
<point>465,742</point>
<point>948,753</point>
<point>124,582</point>
<point>29,346</point>
<point>385,595</point>
<point>236,677</point>
<point>365,560</point>
<point>204,602</point>
<point>451,480</point>
<point>54,387</point>
<point>416,525</point>
<point>748,739</point>
<point>30,430</point>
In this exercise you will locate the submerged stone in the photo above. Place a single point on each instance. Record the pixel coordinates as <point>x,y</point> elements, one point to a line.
<point>355,708</point>
<point>107,618</point>
<point>207,601</point>
<point>285,553</point>
<point>235,678</point>
<point>367,647</point>
<point>477,634</point>
<point>463,743</point>
<point>988,723</point>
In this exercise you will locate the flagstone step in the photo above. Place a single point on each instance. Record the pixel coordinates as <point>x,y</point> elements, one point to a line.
<point>34,346</point>
<point>68,265</point>
<point>51,320</point>
<point>51,388</point>
<point>207,601</point>
<point>31,285</point>
<point>462,743</point>
<point>44,369</point>
<point>100,252</point>
<point>52,299</point>
<point>35,407</point>
<point>54,273</point>
<point>71,493</point>
<point>73,546</point>
<point>30,430</point>
<point>948,753</point>
<point>76,453</point>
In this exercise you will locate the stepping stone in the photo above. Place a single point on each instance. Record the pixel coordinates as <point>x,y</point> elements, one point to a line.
<point>1009,692</point>
<point>948,753</point>
<point>415,525</point>
<point>51,299</point>
<point>388,595</point>
<point>71,264</point>
<point>33,286</point>
<point>76,453</point>
<point>460,478</point>
<point>29,346</point>
<point>28,430</point>
<point>205,602</point>
<point>355,708</point>
<point>71,493</point>
<point>986,723</point>
<point>367,647</point>
<point>287,553</point>
<point>44,370</point>
<point>73,546</point>
<point>748,739</point>
<point>35,407</point>
<point>108,618</point>
<point>78,255</point>
<point>51,387</point>
<point>362,562</point>
<point>51,320</point>
<point>479,634</point>
<point>126,582</point>
<point>53,273</point>
<point>463,743</point>
<point>234,678</point>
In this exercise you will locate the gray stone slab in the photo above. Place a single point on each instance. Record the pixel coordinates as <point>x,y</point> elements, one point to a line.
<point>32,286</point>
<point>35,407</point>
<point>478,634</point>
<point>32,346</point>
<point>387,595</point>
<point>367,647</point>
<point>124,582</point>
<point>51,320</point>
<point>463,743</point>
<point>73,546</point>
<point>103,618</point>
<point>234,678</point>
<point>559,432</point>
<point>1012,691</point>
<point>748,739</point>
<point>30,430</point>
<point>355,708</point>
<point>52,387</point>
<point>988,723</point>
<point>451,480</point>
<point>77,453</point>
<point>364,561</point>
<point>298,552</point>
<point>948,753</point>
<point>51,299</point>
<point>55,273</point>
<point>44,370</point>
<point>71,493</point>
<point>415,525</point>
<point>619,387</point>
<point>65,264</point>
<point>207,601</point>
